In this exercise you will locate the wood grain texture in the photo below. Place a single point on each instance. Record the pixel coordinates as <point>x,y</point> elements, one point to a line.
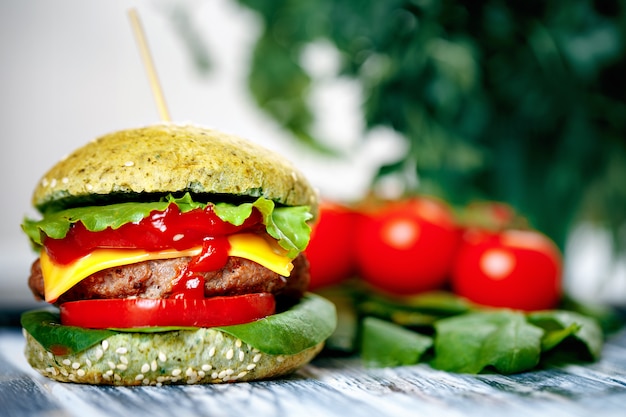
<point>331,387</point>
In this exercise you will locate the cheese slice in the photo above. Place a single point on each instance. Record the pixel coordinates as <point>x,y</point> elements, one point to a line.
<point>59,278</point>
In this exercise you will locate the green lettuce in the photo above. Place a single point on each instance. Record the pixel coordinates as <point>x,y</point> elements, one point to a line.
<point>304,325</point>
<point>288,225</point>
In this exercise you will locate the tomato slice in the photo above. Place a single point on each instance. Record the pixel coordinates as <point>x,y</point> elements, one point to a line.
<point>124,313</point>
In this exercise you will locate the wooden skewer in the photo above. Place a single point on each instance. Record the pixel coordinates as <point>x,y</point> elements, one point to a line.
<point>149,64</point>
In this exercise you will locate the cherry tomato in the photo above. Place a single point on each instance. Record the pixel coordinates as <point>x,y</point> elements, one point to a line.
<point>140,312</point>
<point>330,252</point>
<point>407,246</point>
<point>518,269</point>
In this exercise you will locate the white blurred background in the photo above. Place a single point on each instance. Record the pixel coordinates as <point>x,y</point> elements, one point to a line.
<point>71,71</point>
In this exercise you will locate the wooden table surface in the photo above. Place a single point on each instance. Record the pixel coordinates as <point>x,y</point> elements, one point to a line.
<point>331,387</point>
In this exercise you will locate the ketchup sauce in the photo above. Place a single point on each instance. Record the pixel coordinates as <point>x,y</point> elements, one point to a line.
<point>214,256</point>
<point>160,230</point>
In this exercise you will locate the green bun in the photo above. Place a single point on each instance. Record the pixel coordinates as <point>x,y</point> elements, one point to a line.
<point>169,158</point>
<point>200,356</point>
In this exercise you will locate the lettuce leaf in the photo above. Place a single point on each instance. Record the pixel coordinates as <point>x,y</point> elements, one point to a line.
<point>304,325</point>
<point>288,225</point>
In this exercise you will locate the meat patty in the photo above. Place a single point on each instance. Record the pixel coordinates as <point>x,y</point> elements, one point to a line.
<point>156,279</point>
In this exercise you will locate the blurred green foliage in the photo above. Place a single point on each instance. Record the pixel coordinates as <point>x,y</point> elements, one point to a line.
<point>516,101</point>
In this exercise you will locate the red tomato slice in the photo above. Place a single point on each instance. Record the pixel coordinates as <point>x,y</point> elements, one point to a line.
<point>137,312</point>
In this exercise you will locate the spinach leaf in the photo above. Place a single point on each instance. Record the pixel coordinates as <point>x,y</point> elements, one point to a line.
<point>502,339</point>
<point>468,338</point>
<point>414,311</point>
<point>45,327</point>
<point>306,324</point>
<point>387,344</point>
<point>560,325</point>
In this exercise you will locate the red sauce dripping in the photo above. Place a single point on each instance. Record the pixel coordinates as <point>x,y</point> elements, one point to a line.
<point>213,257</point>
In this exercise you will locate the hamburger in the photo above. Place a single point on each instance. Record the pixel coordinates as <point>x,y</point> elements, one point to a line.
<point>172,254</point>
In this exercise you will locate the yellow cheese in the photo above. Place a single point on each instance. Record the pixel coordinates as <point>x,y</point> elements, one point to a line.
<point>60,278</point>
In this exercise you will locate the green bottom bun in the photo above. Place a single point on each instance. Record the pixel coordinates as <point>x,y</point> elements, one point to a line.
<point>268,348</point>
<point>199,356</point>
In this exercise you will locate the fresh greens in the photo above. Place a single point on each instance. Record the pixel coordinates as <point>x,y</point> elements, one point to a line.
<point>387,344</point>
<point>560,325</point>
<point>418,310</point>
<point>285,224</point>
<point>288,225</point>
<point>455,335</point>
<point>470,343</point>
<point>304,325</point>
<point>45,327</point>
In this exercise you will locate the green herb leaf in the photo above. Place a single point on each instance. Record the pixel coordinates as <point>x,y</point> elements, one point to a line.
<point>471,342</point>
<point>560,324</point>
<point>554,338</point>
<point>387,344</point>
<point>305,325</point>
<point>442,303</point>
<point>45,327</point>
<point>418,310</point>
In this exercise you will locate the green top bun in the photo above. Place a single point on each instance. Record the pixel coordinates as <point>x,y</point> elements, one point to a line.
<point>170,158</point>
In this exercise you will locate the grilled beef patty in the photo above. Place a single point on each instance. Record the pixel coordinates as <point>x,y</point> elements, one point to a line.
<point>156,279</point>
